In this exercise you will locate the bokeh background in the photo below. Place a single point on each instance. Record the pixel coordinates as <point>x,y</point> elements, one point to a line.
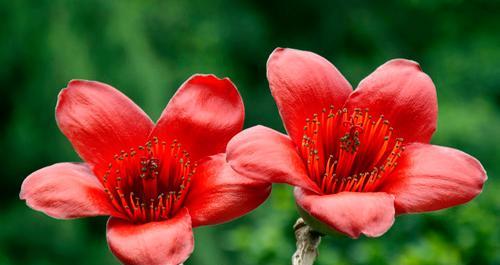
<point>148,48</point>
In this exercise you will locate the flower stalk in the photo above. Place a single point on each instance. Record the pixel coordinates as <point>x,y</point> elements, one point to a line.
<point>307,243</point>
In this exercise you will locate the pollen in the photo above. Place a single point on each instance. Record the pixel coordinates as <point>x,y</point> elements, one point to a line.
<point>349,151</point>
<point>149,182</point>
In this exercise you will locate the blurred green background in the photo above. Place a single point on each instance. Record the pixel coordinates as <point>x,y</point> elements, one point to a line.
<point>148,48</point>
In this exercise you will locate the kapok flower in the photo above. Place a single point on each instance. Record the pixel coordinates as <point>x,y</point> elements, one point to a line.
<point>155,181</point>
<point>357,158</point>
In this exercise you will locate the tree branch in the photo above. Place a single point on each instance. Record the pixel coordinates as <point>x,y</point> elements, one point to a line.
<point>307,244</point>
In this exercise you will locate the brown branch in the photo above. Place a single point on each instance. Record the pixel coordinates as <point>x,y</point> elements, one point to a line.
<point>307,244</point>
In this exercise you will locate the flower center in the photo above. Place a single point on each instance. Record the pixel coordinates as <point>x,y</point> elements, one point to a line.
<point>349,151</point>
<point>149,183</point>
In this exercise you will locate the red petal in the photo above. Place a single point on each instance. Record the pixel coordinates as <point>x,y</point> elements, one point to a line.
<point>66,190</point>
<point>167,242</point>
<point>350,213</point>
<point>264,154</point>
<point>218,194</point>
<point>303,83</point>
<point>203,115</point>
<point>100,121</point>
<point>430,178</point>
<point>404,94</point>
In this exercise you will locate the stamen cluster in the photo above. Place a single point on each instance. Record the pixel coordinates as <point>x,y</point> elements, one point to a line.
<point>349,151</point>
<point>150,182</point>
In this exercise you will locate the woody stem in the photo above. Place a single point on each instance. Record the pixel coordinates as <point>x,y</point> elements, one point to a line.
<point>307,244</point>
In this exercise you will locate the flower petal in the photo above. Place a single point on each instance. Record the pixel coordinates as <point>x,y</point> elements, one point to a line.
<point>66,190</point>
<point>218,194</point>
<point>167,242</point>
<point>203,115</point>
<point>100,121</point>
<point>350,213</point>
<point>303,83</point>
<point>430,178</point>
<point>264,154</point>
<point>404,94</point>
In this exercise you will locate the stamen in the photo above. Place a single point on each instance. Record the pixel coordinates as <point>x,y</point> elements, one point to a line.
<point>349,151</point>
<point>136,181</point>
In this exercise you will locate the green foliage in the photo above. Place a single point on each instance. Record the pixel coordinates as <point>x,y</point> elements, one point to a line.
<point>148,48</point>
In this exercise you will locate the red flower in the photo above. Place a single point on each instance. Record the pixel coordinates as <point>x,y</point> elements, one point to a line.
<point>357,158</point>
<point>155,181</point>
